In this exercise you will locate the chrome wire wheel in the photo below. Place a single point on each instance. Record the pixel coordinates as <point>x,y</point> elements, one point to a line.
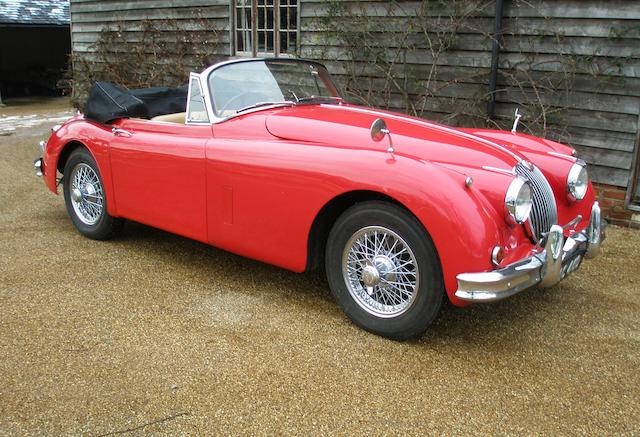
<point>87,196</point>
<point>380,271</point>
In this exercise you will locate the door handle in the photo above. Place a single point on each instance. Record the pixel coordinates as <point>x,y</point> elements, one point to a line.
<point>121,133</point>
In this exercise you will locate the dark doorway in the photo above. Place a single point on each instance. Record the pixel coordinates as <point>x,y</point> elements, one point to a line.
<point>33,59</point>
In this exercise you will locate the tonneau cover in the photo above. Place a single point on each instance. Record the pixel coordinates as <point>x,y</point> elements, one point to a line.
<point>108,102</point>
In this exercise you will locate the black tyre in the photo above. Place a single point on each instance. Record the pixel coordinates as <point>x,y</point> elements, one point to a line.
<point>85,198</point>
<point>384,271</point>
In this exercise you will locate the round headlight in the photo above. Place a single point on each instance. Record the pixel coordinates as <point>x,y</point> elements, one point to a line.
<point>577,182</point>
<point>518,201</point>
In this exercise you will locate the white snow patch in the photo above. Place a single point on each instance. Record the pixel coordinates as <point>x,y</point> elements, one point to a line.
<point>9,124</point>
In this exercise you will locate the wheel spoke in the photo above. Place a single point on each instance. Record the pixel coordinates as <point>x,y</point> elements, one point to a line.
<point>90,205</point>
<point>380,271</point>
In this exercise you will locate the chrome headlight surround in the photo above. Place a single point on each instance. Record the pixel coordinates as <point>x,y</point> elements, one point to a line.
<point>577,181</point>
<point>518,201</point>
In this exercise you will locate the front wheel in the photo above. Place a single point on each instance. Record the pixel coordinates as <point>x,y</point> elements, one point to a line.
<point>85,198</point>
<point>384,271</point>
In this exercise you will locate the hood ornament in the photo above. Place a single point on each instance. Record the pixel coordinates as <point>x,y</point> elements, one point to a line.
<point>379,131</point>
<point>516,121</point>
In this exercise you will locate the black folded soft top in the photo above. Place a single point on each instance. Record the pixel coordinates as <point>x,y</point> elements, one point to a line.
<point>108,102</point>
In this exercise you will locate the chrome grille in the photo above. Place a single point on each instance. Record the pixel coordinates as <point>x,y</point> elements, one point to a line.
<point>544,213</point>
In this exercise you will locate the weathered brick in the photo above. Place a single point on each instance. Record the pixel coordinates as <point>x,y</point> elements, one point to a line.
<point>620,215</point>
<point>617,222</point>
<point>606,203</point>
<point>617,194</point>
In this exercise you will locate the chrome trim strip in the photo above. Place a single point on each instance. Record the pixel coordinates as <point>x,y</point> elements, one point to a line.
<point>562,155</point>
<point>559,257</point>
<point>499,170</point>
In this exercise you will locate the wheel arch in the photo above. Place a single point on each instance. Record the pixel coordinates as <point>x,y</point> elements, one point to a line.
<point>101,158</point>
<point>66,152</point>
<point>329,213</point>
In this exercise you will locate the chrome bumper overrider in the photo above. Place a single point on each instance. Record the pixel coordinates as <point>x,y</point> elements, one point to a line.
<point>37,166</point>
<point>559,258</point>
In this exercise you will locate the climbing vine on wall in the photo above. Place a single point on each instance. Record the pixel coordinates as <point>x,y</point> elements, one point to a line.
<point>431,60</point>
<point>151,53</point>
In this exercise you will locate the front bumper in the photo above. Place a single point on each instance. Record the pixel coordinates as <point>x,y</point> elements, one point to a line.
<point>559,257</point>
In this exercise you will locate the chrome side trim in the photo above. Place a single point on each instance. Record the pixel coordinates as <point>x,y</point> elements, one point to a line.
<point>559,257</point>
<point>509,172</point>
<point>562,155</point>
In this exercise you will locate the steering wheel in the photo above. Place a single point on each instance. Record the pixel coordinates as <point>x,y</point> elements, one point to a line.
<point>237,97</point>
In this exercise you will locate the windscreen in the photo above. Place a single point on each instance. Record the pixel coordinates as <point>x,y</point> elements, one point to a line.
<point>240,85</point>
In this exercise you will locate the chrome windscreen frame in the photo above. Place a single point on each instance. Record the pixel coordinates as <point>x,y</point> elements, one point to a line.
<point>204,84</point>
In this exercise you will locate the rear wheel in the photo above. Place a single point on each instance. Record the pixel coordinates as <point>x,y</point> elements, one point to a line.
<point>85,198</point>
<point>384,270</point>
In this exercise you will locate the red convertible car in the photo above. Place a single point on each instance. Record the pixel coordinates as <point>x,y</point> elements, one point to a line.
<point>263,158</point>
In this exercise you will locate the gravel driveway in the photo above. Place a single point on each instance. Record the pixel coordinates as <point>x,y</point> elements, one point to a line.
<point>153,333</point>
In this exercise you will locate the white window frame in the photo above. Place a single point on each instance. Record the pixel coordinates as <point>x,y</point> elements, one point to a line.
<point>254,31</point>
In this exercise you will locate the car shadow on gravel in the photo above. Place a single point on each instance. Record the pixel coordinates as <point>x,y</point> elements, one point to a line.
<point>483,324</point>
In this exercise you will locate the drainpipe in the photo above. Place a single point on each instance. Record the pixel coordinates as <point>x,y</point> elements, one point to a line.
<point>495,54</point>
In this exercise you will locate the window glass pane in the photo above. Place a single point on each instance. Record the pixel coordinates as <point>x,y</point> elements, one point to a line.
<point>261,18</point>
<point>246,19</point>
<point>270,42</point>
<point>293,18</point>
<point>242,84</point>
<point>283,17</point>
<point>197,109</point>
<point>283,42</point>
<point>270,24</point>
<point>293,42</point>
<point>239,42</point>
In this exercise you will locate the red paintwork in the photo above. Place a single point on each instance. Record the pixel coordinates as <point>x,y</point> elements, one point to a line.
<point>254,184</point>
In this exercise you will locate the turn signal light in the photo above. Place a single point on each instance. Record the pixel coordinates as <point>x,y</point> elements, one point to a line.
<point>497,255</point>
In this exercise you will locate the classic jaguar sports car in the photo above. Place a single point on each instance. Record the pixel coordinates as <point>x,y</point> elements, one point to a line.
<point>263,158</point>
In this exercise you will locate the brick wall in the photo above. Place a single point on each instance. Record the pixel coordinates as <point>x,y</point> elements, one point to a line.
<point>611,200</point>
